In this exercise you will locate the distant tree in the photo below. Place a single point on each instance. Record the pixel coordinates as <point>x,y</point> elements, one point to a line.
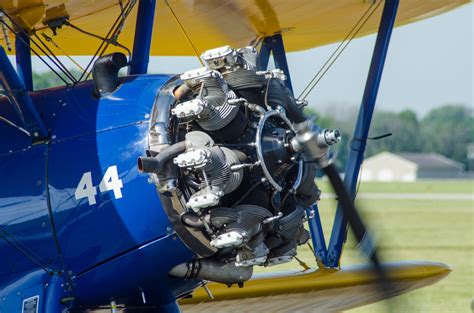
<point>448,130</point>
<point>44,80</point>
<point>405,129</point>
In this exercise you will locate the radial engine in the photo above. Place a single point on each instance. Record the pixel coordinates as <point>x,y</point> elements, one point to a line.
<point>233,158</point>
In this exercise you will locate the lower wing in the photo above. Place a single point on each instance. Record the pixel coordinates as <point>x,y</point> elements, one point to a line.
<point>323,290</point>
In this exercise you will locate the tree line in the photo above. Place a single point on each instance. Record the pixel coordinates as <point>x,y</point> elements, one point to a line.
<point>446,130</point>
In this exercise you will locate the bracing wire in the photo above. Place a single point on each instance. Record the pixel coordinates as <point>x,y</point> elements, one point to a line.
<point>45,53</point>
<point>5,33</point>
<point>85,32</point>
<point>112,33</point>
<point>122,8</point>
<point>63,67</point>
<point>49,39</point>
<point>340,48</point>
<point>118,29</point>
<point>16,244</point>
<point>33,49</point>
<point>184,32</point>
<point>7,121</point>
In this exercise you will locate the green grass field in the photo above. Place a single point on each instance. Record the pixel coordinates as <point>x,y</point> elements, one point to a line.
<point>434,230</point>
<point>424,186</point>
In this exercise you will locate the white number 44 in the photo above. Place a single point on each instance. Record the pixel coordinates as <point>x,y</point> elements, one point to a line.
<point>110,182</point>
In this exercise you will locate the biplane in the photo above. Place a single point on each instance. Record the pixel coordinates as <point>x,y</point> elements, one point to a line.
<point>226,157</point>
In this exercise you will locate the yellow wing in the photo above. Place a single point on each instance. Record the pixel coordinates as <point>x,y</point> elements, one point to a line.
<point>212,23</point>
<point>324,290</point>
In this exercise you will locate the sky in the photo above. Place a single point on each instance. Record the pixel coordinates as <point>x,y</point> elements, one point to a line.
<point>429,64</point>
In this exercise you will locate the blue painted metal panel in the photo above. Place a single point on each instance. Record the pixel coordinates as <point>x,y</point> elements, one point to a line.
<point>25,286</point>
<point>49,290</point>
<point>171,307</point>
<point>20,140</point>
<point>109,280</point>
<point>357,146</point>
<point>71,111</point>
<point>23,60</point>
<point>75,111</point>
<point>93,233</point>
<point>26,238</point>
<point>143,36</point>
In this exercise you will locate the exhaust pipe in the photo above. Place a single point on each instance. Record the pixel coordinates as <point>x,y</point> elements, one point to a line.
<point>213,270</point>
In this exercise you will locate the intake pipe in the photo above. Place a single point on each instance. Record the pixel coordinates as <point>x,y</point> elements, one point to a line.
<point>213,270</point>
<point>105,73</point>
<point>157,164</point>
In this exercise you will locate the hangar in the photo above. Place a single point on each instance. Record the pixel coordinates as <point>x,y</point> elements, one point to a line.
<point>387,166</point>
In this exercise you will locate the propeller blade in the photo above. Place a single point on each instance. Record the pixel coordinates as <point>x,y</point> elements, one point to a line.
<point>357,225</point>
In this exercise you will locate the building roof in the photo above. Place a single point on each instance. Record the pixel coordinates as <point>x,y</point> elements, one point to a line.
<point>431,161</point>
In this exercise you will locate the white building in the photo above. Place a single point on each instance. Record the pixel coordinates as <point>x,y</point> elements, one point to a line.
<point>388,166</point>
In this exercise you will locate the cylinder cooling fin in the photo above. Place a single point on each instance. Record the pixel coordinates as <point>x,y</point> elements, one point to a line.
<point>228,154</point>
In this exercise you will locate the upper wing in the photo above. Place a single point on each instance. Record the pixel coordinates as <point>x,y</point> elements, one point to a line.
<point>325,290</point>
<point>211,23</point>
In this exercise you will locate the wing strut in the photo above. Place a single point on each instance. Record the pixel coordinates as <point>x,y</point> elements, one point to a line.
<point>143,36</point>
<point>23,60</point>
<point>274,44</point>
<point>20,99</point>
<point>358,143</point>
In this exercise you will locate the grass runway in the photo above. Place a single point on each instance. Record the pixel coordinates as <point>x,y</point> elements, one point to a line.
<point>439,230</point>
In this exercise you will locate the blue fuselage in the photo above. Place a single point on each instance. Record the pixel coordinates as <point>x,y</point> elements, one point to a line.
<point>77,219</point>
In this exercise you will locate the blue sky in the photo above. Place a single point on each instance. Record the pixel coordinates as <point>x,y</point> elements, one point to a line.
<point>430,63</point>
